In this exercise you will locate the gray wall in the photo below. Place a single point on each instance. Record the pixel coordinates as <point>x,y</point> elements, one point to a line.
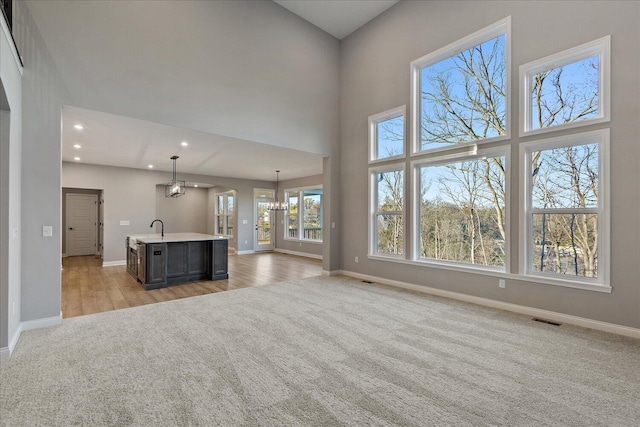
<point>10,193</point>
<point>184,214</point>
<point>243,69</point>
<point>281,243</point>
<point>375,77</point>
<point>132,195</point>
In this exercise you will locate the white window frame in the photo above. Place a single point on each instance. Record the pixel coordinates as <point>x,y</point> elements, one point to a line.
<point>500,151</point>
<point>602,282</point>
<point>374,120</point>
<point>373,212</point>
<point>490,32</point>
<point>225,214</point>
<point>300,191</point>
<point>601,48</point>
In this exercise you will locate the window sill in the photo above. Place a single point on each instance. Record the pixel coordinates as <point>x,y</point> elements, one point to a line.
<point>499,274</point>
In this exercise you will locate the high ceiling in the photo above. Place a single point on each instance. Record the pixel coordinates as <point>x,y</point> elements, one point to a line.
<point>337,17</point>
<point>114,140</point>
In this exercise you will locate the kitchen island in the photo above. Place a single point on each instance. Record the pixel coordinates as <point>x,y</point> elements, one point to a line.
<point>158,261</point>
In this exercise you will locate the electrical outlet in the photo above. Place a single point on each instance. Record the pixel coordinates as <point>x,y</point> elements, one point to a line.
<point>501,283</point>
<point>356,259</point>
<point>246,242</point>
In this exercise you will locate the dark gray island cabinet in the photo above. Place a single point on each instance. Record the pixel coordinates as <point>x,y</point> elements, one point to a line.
<point>159,261</point>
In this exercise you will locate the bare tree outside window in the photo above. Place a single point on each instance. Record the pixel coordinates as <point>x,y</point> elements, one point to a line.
<point>463,97</point>
<point>389,215</point>
<point>390,137</point>
<point>564,187</point>
<point>462,212</point>
<point>565,94</point>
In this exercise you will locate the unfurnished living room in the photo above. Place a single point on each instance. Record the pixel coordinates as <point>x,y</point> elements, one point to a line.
<point>319,212</point>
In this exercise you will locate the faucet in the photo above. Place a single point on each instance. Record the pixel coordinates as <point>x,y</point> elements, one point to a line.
<point>161,223</point>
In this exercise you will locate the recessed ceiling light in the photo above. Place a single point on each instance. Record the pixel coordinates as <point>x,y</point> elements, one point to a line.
<point>195,185</point>
<point>79,127</point>
<point>150,166</point>
<point>77,146</point>
<point>77,159</point>
<point>184,143</point>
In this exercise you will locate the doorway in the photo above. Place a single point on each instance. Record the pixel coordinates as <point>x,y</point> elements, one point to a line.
<point>82,222</point>
<point>264,221</point>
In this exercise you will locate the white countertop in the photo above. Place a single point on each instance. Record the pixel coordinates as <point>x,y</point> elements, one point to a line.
<point>172,237</point>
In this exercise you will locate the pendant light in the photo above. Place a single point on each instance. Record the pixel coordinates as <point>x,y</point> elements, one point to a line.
<point>175,187</point>
<point>277,205</point>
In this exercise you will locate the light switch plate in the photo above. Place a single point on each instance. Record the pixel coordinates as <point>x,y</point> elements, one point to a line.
<point>245,221</point>
<point>47,231</point>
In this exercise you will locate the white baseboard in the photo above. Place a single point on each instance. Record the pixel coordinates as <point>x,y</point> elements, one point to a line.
<point>41,323</point>
<point>304,254</point>
<point>249,252</point>
<point>515,308</point>
<point>113,263</point>
<point>333,273</point>
<point>5,352</point>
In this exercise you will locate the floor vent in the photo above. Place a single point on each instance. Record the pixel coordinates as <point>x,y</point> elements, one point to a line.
<point>366,281</point>
<point>548,322</point>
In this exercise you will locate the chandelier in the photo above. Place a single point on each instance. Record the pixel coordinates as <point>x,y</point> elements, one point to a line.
<point>277,205</point>
<point>175,187</point>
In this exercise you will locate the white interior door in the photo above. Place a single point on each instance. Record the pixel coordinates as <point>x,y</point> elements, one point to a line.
<point>82,224</point>
<point>263,240</point>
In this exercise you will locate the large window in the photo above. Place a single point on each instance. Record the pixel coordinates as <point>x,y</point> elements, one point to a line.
<point>460,163</point>
<point>387,223</point>
<point>461,209</point>
<point>568,89</point>
<point>387,135</point>
<point>566,211</point>
<point>224,214</point>
<point>461,92</point>
<point>304,217</point>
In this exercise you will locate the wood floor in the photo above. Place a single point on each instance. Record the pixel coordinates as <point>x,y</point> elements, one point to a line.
<point>88,288</point>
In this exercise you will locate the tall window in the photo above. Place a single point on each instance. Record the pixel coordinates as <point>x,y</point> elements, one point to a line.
<point>387,223</point>
<point>387,135</point>
<point>304,217</point>
<point>461,92</point>
<point>566,213</point>
<point>224,214</point>
<point>568,89</point>
<point>460,209</point>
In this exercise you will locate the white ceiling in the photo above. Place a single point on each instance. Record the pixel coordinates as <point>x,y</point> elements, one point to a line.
<point>113,140</point>
<point>337,17</point>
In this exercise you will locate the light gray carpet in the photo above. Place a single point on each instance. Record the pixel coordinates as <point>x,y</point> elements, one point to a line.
<point>318,351</point>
